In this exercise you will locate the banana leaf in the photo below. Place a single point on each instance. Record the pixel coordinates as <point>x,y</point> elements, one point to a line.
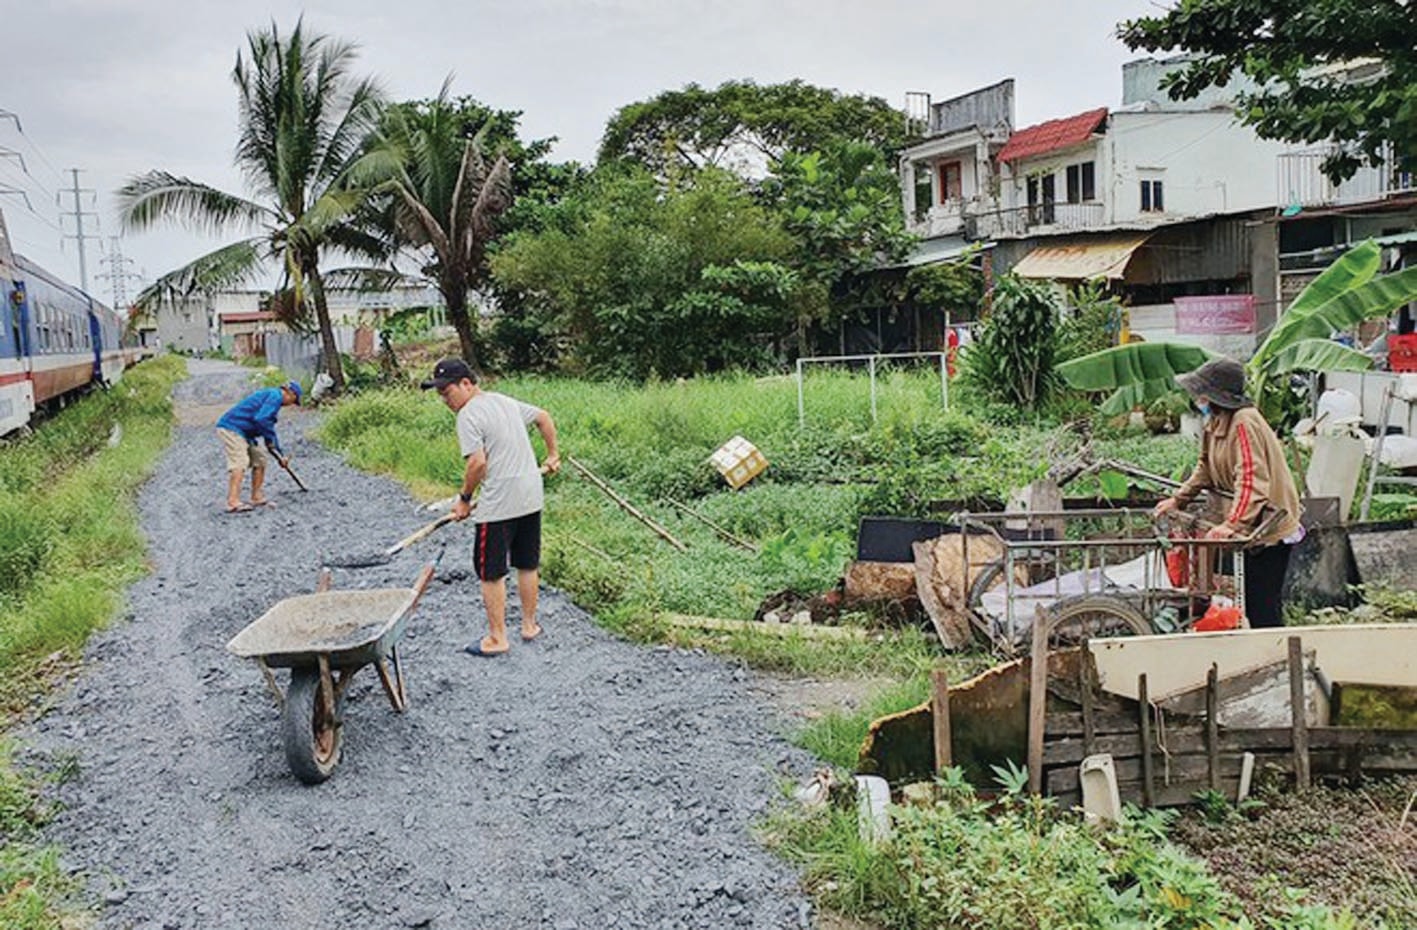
<point>1318,355</point>
<point>1138,394</point>
<point>1132,364</point>
<point>1373,298</point>
<point>1354,267</point>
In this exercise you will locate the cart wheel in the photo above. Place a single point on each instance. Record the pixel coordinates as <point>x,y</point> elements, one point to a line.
<point>1093,616</point>
<point>992,575</point>
<point>989,577</point>
<point>312,738</point>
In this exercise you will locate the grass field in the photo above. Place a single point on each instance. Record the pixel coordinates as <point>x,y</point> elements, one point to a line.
<point>652,442</point>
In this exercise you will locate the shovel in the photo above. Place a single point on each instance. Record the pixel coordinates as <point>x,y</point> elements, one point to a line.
<point>381,558</point>
<point>291,472</point>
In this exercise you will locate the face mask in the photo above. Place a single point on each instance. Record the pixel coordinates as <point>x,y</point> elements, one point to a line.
<point>1204,409</point>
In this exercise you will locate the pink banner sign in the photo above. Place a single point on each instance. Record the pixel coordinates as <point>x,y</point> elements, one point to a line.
<point>1217,315</point>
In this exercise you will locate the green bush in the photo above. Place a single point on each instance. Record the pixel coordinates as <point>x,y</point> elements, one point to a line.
<point>1014,863</point>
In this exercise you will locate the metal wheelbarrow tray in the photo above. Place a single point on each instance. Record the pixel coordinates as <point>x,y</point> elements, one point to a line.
<point>316,636</point>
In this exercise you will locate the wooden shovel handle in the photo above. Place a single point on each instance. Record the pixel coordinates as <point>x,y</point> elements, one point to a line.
<point>415,536</point>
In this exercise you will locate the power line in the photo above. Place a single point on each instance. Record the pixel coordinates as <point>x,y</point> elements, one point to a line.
<point>15,118</point>
<point>78,214</point>
<point>119,273</point>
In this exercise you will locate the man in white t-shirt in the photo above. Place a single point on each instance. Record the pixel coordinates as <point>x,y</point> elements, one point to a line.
<point>492,434</point>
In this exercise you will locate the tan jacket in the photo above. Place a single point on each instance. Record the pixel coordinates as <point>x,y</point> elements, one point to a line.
<point>1241,455</point>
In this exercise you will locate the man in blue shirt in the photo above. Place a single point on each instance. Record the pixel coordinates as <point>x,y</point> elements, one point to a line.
<point>239,429</point>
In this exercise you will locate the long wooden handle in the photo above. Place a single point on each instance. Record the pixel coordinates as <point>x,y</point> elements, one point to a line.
<point>290,471</point>
<point>414,537</point>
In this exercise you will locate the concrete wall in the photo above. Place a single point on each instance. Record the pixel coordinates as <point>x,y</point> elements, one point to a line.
<point>185,325</point>
<point>988,108</point>
<point>1141,84</point>
<point>1207,163</point>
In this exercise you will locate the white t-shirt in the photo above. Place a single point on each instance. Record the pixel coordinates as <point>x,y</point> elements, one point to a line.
<point>498,424</point>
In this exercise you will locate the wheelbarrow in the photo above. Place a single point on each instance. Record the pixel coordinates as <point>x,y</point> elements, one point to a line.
<point>324,638</point>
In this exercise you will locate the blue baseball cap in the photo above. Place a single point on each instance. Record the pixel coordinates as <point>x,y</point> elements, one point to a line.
<point>294,388</point>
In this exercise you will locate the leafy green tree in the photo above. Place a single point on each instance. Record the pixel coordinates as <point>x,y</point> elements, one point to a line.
<point>954,286</point>
<point>303,120</point>
<point>636,278</point>
<point>842,206</point>
<point>1347,293</point>
<point>445,193</point>
<point>697,128</point>
<point>1285,46</point>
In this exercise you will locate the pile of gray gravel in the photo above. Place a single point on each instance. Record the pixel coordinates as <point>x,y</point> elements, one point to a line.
<point>578,782</point>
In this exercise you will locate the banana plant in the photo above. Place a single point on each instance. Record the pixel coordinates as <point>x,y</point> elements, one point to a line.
<point>1349,292</point>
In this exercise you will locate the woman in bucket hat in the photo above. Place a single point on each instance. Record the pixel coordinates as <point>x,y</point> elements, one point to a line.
<point>1241,456</point>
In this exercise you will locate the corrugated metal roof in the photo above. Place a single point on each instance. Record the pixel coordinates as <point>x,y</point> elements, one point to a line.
<point>941,249</point>
<point>1053,135</point>
<point>1081,261</point>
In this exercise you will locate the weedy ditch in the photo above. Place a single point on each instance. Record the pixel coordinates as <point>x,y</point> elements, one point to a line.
<point>69,546</point>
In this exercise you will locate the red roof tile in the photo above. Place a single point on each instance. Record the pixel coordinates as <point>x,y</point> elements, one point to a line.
<point>1053,135</point>
<point>248,316</point>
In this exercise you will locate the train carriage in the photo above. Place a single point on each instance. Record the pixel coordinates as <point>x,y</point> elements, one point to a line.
<point>55,340</point>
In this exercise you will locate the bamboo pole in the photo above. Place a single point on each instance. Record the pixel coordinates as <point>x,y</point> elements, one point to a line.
<point>625,505</point>
<point>727,536</point>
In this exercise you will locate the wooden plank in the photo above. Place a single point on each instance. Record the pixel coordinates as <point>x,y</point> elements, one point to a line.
<point>940,712</point>
<point>810,631</point>
<point>1300,718</point>
<point>1376,749</point>
<point>1191,739</point>
<point>1037,701</point>
<point>1173,770</point>
<point>1254,697</point>
<point>1104,723</point>
<point>1085,687</point>
<point>1148,792</point>
<point>1212,725</point>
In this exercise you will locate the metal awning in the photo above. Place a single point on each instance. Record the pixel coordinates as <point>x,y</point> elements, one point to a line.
<point>941,249</point>
<point>1105,257</point>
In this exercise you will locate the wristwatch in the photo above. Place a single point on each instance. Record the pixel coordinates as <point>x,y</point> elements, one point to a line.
<point>465,498</point>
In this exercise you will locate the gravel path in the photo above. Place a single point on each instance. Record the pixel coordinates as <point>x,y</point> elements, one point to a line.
<point>579,782</point>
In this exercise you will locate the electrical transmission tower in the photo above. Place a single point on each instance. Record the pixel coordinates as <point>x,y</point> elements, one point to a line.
<point>120,272</point>
<point>78,214</point>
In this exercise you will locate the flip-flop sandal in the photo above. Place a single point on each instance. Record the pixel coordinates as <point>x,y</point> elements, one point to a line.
<point>270,504</point>
<point>244,508</point>
<point>476,650</point>
<point>533,637</point>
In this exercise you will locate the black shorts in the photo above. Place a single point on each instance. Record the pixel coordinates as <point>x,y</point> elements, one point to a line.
<point>518,538</point>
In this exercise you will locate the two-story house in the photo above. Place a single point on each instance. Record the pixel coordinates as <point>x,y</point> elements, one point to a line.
<point>1156,197</point>
<point>951,175</point>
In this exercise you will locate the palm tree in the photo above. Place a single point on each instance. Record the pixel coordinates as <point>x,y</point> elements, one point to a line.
<point>445,197</point>
<point>303,121</point>
<point>1348,292</point>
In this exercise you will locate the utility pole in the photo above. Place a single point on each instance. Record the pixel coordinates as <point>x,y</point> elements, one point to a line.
<point>78,214</point>
<point>118,274</point>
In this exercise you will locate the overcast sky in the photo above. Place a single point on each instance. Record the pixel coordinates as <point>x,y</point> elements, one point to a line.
<point>117,87</point>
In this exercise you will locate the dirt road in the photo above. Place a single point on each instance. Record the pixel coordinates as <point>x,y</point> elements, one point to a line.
<point>579,782</point>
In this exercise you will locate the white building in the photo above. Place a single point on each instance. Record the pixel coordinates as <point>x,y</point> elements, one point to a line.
<point>1149,163</point>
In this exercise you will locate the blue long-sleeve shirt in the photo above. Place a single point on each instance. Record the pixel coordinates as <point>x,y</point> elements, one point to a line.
<point>255,417</point>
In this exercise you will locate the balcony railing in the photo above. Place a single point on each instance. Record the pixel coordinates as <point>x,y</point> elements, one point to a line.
<point>1042,217</point>
<point>1302,182</point>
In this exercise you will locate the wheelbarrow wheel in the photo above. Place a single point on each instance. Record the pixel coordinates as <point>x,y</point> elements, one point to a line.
<point>1093,616</point>
<point>312,736</point>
